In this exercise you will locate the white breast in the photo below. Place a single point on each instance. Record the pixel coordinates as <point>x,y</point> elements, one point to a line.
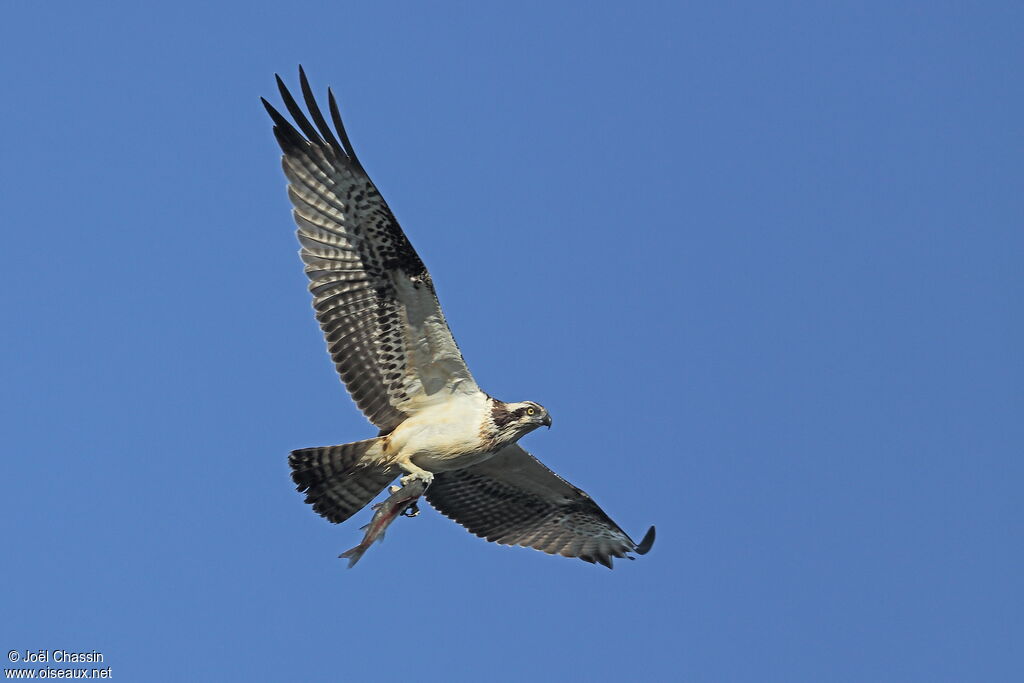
<point>442,437</point>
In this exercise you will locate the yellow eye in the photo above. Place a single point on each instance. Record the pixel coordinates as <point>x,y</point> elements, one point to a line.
<point>530,411</point>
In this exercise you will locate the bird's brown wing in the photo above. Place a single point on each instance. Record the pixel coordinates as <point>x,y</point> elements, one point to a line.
<point>373,296</point>
<point>513,499</point>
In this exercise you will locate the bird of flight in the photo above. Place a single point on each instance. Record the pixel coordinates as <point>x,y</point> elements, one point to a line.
<point>444,436</point>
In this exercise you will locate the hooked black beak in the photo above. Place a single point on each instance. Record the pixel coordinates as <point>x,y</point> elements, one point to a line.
<point>546,421</point>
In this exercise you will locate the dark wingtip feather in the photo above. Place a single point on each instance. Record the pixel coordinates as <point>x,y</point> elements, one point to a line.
<point>284,131</point>
<point>314,111</point>
<point>274,114</point>
<point>645,543</point>
<point>605,560</point>
<point>332,104</point>
<point>296,112</point>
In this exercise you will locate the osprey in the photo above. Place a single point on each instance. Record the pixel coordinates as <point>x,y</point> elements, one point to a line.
<point>390,343</point>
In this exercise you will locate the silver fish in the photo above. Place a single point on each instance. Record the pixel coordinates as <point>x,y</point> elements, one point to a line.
<point>402,501</point>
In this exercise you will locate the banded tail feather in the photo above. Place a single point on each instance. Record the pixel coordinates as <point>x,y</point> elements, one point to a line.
<point>337,480</point>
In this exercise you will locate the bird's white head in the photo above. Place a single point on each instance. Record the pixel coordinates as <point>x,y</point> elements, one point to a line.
<point>514,420</point>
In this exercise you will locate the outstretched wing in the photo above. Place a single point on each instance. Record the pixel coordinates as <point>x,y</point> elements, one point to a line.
<point>513,499</point>
<point>372,294</point>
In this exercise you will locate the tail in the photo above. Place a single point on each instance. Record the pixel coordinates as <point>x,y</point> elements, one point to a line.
<point>337,480</point>
<point>353,554</point>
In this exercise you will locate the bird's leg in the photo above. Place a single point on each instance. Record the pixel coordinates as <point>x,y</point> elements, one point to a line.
<point>415,474</point>
<point>417,477</point>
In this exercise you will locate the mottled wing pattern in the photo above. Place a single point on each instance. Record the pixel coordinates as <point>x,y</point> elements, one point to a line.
<point>513,499</point>
<point>371,292</point>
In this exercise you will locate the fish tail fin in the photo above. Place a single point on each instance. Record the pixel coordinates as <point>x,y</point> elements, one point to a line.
<point>353,554</point>
<point>340,480</point>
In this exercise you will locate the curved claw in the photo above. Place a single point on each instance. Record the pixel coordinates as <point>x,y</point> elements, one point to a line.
<point>412,510</point>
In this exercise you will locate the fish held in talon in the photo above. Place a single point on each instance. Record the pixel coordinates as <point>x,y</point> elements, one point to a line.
<point>397,504</point>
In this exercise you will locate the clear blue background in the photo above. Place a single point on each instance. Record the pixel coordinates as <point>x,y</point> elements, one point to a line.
<point>761,261</point>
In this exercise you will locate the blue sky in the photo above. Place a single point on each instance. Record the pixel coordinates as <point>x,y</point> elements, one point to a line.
<point>761,263</point>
